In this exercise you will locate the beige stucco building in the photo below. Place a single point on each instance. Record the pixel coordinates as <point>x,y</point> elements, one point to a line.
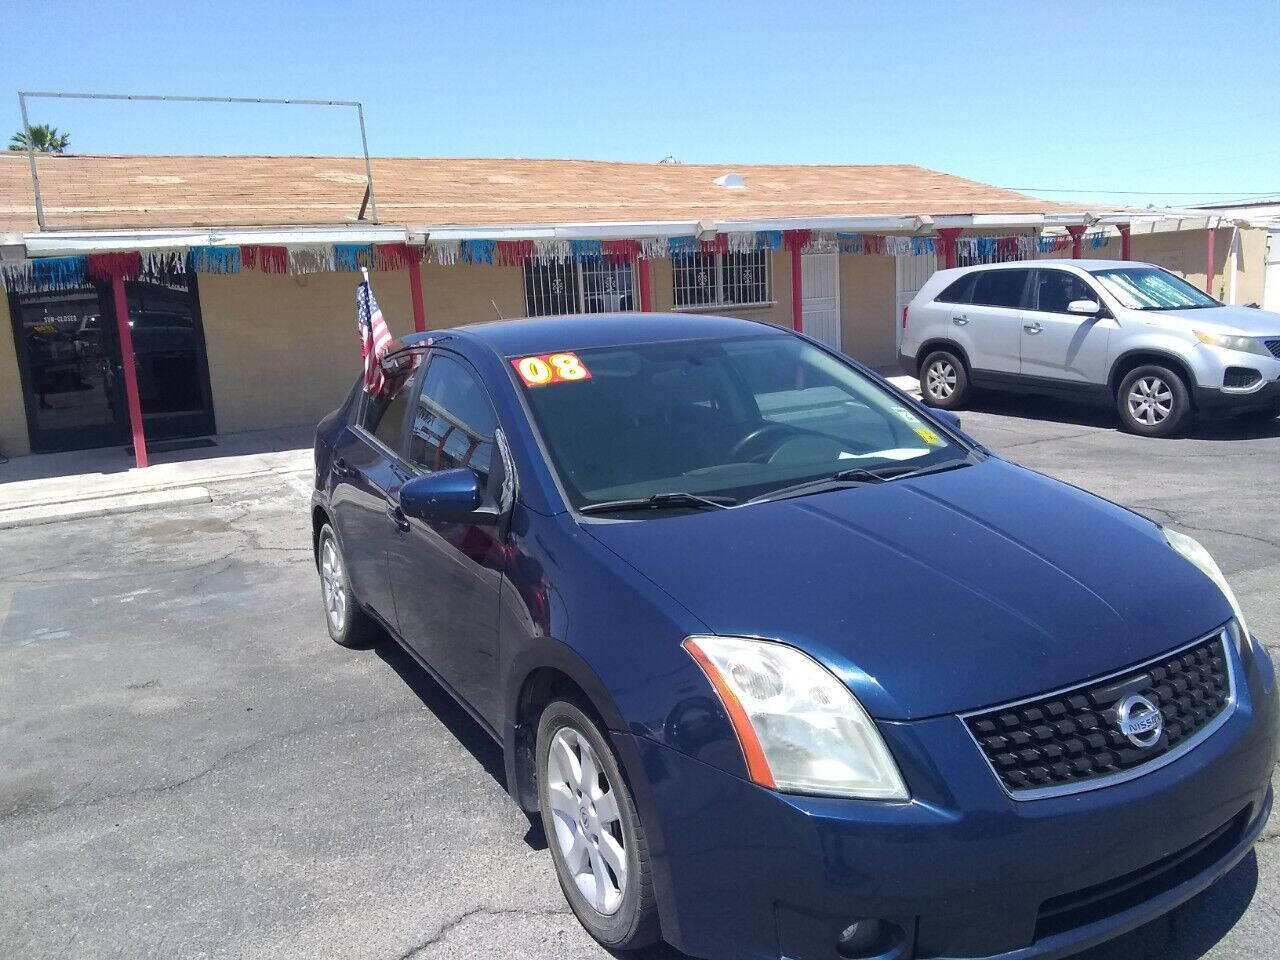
<point>226,350</point>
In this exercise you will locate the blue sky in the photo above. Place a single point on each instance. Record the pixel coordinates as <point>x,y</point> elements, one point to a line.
<point>1177,100</point>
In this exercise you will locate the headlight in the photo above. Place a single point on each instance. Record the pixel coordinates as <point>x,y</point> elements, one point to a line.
<point>800,728</point>
<point>1197,554</point>
<point>1231,342</point>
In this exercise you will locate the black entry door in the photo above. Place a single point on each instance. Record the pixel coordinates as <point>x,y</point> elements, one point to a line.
<point>72,373</point>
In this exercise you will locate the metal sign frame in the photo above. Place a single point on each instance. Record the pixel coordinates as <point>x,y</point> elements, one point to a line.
<point>369,203</point>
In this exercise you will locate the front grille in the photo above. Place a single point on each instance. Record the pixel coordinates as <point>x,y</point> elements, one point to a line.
<point>1239,377</point>
<point>1274,347</point>
<point>1103,900</point>
<point>1065,741</point>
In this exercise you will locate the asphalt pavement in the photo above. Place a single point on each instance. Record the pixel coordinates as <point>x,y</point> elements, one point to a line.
<point>191,768</point>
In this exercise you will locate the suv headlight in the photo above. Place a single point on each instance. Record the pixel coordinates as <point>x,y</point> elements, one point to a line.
<point>800,728</point>
<point>1197,554</point>
<point>1229,341</point>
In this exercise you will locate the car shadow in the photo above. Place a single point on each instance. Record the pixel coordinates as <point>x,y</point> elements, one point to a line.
<point>1086,414</point>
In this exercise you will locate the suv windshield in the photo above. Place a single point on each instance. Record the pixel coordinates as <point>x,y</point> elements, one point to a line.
<point>727,419</point>
<point>1150,288</point>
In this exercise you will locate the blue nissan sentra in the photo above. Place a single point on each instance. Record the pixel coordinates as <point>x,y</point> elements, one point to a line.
<point>788,664</point>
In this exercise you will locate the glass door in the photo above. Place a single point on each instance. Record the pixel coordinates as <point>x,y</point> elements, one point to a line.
<point>72,377</point>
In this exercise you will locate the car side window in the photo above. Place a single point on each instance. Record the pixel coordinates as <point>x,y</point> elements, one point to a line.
<point>959,291</point>
<point>454,422</point>
<point>384,416</point>
<point>999,288</point>
<point>1057,288</point>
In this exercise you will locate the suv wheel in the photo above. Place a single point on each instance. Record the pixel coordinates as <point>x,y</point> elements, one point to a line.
<point>347,623</point>
<point>943,380</point>
<point>597,841</point>
<point>1154,401</point>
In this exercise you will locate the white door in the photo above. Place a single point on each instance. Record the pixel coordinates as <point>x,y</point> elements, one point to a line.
<point>820,297</point>
<point>913,272</point>
<point>1271,279</point>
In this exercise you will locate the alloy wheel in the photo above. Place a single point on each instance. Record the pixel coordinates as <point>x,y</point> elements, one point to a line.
<point>1150,401</point>
<point>940,379</point>
<point>588,824</point>
<point>333,584</point>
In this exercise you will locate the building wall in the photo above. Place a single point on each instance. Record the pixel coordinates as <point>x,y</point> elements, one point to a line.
<point>13,416</point>
<point>461,293</point>
<point>283,350</point>
<point>868,296</point>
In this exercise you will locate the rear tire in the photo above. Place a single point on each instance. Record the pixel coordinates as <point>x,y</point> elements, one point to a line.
<point>944,382</point>
<point>1153,401</point>
<point>596,839</point>
<point>348,625</point>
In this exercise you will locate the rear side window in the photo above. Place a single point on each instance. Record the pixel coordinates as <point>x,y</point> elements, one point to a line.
<point>958,291</point>
<point>1057,288</point>
<point>999,288</point>
<point>384,416</point>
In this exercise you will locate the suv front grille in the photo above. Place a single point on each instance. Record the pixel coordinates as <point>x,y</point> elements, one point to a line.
<point>1274,347</point>
<point>1071,740</point>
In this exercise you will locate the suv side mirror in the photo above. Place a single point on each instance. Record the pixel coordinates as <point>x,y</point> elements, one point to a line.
<point>1088,308</point>
<point>441,497</point>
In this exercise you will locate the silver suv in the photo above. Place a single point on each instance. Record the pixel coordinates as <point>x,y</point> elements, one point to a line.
<point>1131,333</point>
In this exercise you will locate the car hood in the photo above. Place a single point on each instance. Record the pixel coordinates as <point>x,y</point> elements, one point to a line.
<point>934,595</point>
<point>1246,320</point>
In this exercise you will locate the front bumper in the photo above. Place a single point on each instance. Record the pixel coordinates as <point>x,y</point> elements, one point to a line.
<point>962,868</point>
<point>1217,400</point>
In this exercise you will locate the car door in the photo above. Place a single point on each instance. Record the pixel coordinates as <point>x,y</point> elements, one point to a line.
<point>1058,345</point>
<point>367,474</point>
<point>992,320</point>
<point>445,577</point>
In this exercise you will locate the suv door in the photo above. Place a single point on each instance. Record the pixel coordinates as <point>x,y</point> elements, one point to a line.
<point>445,576</point>
<point>367,474</point>
<point>1059,345</point>
<point>991,320</point>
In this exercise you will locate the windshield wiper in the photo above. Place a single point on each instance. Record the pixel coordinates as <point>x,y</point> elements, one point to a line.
<point>659,500</point>
<point>887,473</point>
<point>852,477</point>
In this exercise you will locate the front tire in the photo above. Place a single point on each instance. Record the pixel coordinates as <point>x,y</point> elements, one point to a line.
<point>944,382</point>
<point>348,624</point>
<point>1153,401</point>
<point>597,841</point>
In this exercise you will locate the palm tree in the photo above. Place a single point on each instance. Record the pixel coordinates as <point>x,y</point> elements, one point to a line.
<point>43,139</point>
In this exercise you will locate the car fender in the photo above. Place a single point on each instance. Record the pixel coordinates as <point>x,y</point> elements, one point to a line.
<point>1161,347</point>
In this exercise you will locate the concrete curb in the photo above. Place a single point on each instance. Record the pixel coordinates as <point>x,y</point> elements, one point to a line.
<point>31,516</point>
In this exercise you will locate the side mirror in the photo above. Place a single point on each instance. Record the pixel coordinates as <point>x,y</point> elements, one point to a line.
<point>947,417</point>
<point>441,497</point>
<point>1088,308</point>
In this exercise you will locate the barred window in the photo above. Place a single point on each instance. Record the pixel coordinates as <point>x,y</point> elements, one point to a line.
<point>594,285</point>
<point>714,279</point>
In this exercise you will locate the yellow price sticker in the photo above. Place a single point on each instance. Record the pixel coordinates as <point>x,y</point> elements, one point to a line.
<point>929,437</point>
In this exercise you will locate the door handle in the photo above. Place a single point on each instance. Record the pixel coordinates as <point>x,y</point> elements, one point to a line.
<point>1032,327</point>
<point>398,519</point>
<point>960,321</point>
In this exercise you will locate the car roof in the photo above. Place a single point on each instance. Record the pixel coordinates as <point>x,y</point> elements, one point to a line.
<point>1081,263</point>
<point>534,335</point>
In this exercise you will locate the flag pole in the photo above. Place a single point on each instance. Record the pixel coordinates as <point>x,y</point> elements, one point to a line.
<point>364,272</point>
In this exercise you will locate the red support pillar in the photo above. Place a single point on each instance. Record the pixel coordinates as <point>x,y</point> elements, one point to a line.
<point>947,239</point>
<point>797,289</point>
<point>1210,269</point>
<point>1126,252</point>
<point>130,370</point>
<point>646,287</point>
<point>415,295</point>
<point>1077,234</point>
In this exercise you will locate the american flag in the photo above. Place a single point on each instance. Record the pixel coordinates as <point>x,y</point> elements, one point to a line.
<point>374,339</point>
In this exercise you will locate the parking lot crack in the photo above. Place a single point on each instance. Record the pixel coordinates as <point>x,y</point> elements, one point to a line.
<point>443,931</point>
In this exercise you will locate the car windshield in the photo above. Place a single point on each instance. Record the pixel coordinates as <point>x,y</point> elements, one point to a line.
<point>729,419</point>
<point>1150,288</point>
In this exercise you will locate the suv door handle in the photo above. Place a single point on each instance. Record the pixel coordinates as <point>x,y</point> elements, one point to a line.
<point>1032,327</point>
<point>960,321</point>
<point>398,519</point>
